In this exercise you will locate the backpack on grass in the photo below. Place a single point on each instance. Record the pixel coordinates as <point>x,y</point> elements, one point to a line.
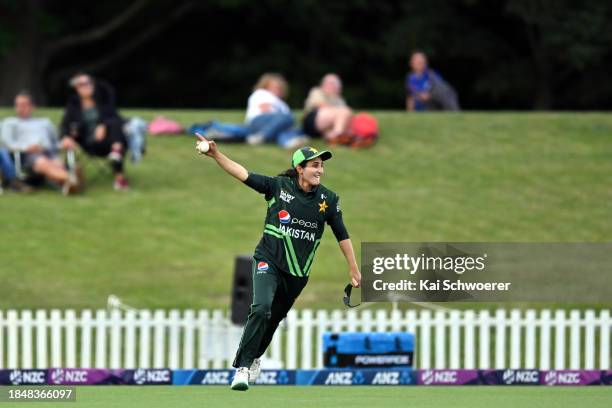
<point>363,132</point>
<point>364,128</point>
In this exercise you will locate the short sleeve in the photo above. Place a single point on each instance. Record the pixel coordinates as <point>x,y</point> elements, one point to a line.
<point>262,184</point>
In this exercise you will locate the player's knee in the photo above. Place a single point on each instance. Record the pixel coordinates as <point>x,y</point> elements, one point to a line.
<point>346,111</point>
<point>261,311</point>
<point>41,165</point>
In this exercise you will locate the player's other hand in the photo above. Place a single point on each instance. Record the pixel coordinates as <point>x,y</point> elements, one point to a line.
<point>355,277</point>
<point>212,146</point>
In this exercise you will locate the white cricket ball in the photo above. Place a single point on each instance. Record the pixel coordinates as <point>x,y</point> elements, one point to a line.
<point>203,146</point>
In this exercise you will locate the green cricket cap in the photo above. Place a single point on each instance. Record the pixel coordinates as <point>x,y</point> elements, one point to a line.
<point>309,153</point>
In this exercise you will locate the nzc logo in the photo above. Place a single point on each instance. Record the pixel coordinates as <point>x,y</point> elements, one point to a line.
<point>18,377</point>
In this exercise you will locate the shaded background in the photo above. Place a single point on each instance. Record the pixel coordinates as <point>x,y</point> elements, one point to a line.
<point>511,55</point>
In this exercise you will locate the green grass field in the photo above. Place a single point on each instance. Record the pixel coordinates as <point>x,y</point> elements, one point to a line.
<point>345,397</point>
<point>171,241</point>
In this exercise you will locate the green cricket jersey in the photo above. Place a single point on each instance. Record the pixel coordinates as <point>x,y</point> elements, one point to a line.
<point>295,221</point>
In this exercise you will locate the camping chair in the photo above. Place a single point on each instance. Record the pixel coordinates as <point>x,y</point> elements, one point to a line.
<point>31,179</point>
<point>135,132</point>
<point>99,165</point>
<point>19,173</point>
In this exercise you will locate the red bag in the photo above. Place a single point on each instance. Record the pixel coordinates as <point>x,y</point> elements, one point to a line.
<point>364,130</point>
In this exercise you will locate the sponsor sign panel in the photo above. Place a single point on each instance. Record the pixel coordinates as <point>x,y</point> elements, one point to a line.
<point>356,377</point>
<point>23,377</point>
<point>510,377</point>
<point>224,377</point>
<point>85,376</point>
<point>570,377</point>
<point>148,376</point>
<point>448,377</point>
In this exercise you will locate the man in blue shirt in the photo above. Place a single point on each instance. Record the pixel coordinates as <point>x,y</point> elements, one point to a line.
<point>425,88</point>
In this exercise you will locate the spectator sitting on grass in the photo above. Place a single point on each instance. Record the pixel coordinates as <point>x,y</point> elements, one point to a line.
<point>425,88</point>
<point>91,120</point>
<point>325,111</point>
<point>268,117</point>
<point>35,140</point>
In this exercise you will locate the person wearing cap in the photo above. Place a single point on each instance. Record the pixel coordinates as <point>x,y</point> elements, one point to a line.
<point>298,207</point>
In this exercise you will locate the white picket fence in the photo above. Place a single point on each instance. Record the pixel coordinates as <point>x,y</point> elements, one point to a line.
<point>206,339</point>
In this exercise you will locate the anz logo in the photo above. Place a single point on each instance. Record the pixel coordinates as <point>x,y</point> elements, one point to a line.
<point>387,378</point>
<point>339,378</point>
<point>216,377</point>
<point>344,378</point>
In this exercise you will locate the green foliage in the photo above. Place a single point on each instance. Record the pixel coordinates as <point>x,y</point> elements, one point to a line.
<point>498,54</point>
<point>573,34</point>
<point>6,41</point>
<point>7,35</point>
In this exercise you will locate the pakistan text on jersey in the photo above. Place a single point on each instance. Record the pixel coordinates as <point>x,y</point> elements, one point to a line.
<point>297,233</point>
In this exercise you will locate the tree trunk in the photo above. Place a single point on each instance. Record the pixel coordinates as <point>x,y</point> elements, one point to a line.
<point>543,97</point>
<point>18,72</point>
<point>22,67</point>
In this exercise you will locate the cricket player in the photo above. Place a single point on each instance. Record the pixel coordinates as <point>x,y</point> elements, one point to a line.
<point>298,207</point>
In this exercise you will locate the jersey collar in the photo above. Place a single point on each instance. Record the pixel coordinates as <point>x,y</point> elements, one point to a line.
<point>306,193</point>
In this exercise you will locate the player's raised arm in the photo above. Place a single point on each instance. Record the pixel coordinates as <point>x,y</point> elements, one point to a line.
<point>230,166</point>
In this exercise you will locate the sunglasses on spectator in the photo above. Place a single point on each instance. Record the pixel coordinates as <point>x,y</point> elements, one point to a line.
<point>82,83</point>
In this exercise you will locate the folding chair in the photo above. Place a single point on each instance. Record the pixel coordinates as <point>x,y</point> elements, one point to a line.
<point>21,175</point>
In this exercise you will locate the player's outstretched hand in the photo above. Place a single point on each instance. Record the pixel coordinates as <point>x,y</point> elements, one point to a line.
<point>212,146</point>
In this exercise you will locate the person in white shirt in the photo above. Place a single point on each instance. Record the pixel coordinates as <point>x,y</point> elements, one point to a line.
<point>325,111</point>
<point>35,141</point>
<point>268,118</point>
<point>267,97</point>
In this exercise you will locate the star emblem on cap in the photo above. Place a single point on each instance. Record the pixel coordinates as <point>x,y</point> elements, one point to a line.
<point>312,149</point>
<point>323,206</point>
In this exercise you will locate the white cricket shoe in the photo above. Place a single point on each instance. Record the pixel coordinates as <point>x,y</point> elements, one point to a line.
<point>256,139</point>
<point>254,370</point>
<point>296,142</point>
<point>241,379</point>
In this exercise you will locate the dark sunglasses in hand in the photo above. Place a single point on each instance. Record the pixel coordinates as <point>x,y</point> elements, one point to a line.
<point>347,296</point>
